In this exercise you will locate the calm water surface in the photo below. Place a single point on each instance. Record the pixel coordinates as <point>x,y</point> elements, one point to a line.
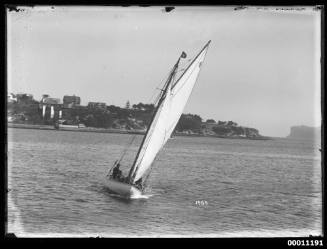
<point>248,187</point>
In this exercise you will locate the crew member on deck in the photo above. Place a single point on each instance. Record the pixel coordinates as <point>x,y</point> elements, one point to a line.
<point>116,173</point>
<point>138,183</point>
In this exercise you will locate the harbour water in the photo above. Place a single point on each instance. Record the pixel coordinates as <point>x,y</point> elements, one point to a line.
<point>199,186</point>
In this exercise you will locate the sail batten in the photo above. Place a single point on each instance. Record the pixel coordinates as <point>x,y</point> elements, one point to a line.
<point>167,114</point>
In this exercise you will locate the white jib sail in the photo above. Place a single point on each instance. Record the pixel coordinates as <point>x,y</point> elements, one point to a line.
<point>167,116</point>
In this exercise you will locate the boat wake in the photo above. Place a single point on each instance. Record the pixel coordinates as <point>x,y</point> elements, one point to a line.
<point>141,196</point>
<point>133,197</point>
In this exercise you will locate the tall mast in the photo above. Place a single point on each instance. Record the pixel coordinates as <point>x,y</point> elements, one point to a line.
<point>167,84</point>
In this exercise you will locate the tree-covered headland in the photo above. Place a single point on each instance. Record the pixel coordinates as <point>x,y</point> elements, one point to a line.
<point>130,117</point>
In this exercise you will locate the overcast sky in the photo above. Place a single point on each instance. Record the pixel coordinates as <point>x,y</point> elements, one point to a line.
<point>262,69</point>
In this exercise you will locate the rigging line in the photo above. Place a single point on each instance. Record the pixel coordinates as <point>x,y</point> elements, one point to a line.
<point>155,118</point>
<point>176,91</point>
<point>145,142</point>
<point>147,137</point>
<point>150,134</point>
<point>151,167</point>
<point>152,164</point>
<point>155,90</point>
<point>199,64</point>
<point>162,92</point>
<point>132,171</point>
<point>127,147</point>
<point>184,69</point>
<point>162,89</point>
<point>205,47</point>
<point>148,175</point>
<point>155,102</point>
<point>162,97</point>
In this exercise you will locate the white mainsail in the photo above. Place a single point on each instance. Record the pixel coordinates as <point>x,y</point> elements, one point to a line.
<point>167,116</point>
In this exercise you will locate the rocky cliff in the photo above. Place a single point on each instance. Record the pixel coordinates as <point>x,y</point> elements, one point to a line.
<point>304,132</point>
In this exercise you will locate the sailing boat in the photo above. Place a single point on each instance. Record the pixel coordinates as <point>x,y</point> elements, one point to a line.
<point>171,102</point>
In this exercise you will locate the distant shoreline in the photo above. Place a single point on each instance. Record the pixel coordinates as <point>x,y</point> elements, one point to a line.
<point>84,129</point>
<point>119,131</point>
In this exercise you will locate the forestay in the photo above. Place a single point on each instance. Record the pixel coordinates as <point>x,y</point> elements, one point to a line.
<point>167,115</point>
